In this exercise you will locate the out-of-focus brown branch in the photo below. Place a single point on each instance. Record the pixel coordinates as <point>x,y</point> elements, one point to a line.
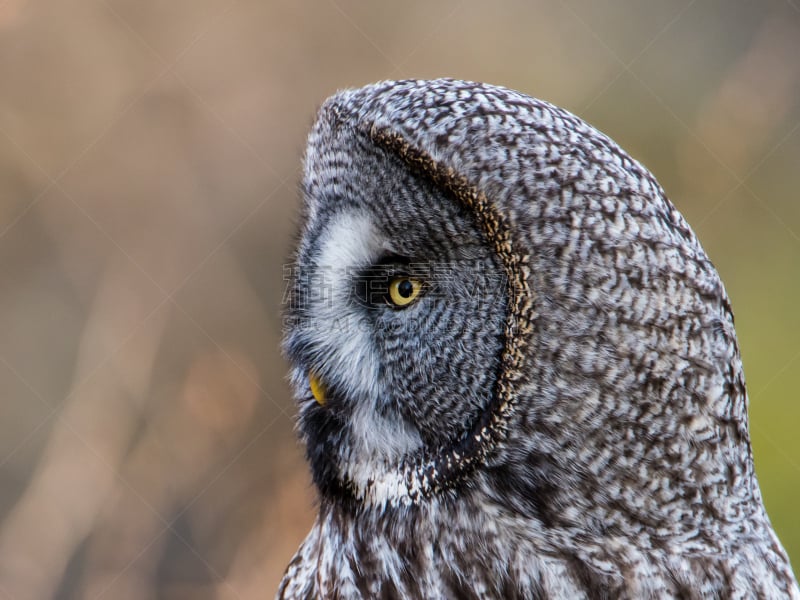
<point>261,560</point>
<point>736,122</point>
<point>189,436</point>
<point>77,470</point>
<point>10,12</point>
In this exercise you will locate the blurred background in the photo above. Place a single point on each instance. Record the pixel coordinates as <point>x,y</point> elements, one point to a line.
<point>149,165</point>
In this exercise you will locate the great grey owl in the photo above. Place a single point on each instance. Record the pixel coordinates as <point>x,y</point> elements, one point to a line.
<point>516,367</point>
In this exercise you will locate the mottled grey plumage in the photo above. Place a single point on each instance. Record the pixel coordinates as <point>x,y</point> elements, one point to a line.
<point>561,413</point>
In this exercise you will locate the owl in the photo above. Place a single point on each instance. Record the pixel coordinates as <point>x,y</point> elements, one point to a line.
<point>516,368</point>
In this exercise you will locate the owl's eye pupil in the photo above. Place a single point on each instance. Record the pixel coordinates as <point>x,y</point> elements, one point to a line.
<point>405,288</point>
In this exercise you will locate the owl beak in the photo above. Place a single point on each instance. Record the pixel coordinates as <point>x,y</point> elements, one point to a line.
<point>317,388</point>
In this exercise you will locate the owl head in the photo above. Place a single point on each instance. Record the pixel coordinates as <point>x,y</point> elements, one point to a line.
<point>490,296</point>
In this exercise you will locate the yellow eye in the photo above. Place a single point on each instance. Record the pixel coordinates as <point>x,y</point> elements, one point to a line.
<point>317,389</point>
<point>404,290</point>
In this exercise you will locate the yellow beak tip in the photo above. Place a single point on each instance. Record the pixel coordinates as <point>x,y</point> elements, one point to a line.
<point>317,389</point>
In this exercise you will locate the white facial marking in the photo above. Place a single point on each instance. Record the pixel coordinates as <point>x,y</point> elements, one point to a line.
<point>343,336</point>
<point>340,331</point>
